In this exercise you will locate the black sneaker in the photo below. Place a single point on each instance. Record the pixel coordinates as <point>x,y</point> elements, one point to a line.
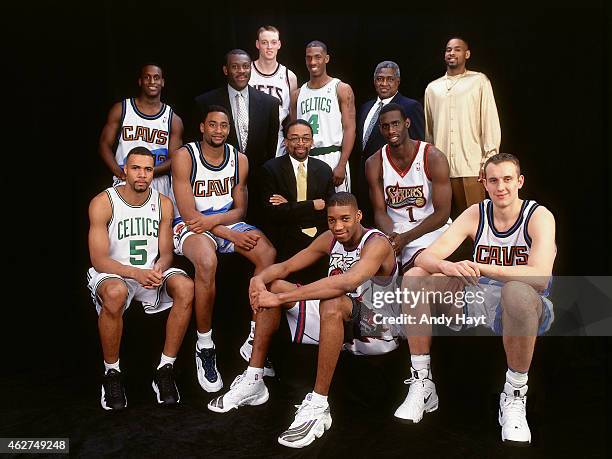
<point>164,386</point>
<point>113,394</point>
<point>206,369</point>
<point>268,368</point>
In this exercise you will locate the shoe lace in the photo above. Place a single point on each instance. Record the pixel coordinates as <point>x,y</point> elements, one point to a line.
<point>113,380</point>
<point>165,379</point>
<point>514,407</point>
<point>237,380</point>
<point>306,410</point>
<point>208,357</point>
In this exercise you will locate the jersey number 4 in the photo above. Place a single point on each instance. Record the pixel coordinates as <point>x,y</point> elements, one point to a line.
<point>138,256</point>
<point>314,123</point>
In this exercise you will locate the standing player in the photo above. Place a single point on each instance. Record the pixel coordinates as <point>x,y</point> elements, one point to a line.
<point>514,252</point>
<point>130,245</point>
<point>331,311</point>
<point>409,187</point>
<point>210,192</point>
<point>273,78</point>
<point>328,105</point>
<point>143,121</point>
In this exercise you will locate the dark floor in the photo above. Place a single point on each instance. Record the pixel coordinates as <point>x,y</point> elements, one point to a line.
<point>55,393</point>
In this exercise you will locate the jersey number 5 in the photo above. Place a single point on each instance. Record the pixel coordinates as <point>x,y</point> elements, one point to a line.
<point>138,256</point>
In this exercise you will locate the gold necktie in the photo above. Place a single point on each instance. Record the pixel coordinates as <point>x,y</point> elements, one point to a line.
<point>301,195</point>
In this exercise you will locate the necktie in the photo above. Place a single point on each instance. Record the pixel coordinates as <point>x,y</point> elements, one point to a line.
<point>301,194</point>
<point>373,122</point>
<point>243,121</point>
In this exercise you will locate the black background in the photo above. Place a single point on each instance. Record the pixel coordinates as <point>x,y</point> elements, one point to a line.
<point>549,65</point>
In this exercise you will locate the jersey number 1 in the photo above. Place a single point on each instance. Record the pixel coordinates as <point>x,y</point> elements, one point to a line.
<point>138,257</point>
<point>410,216</point>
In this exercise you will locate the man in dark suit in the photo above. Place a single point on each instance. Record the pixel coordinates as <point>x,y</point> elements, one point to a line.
<point>369,138</point>
<point>295,188</point>
<point>254,118</point>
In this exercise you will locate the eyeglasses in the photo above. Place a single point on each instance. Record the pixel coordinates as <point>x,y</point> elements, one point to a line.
<point>304,139</point>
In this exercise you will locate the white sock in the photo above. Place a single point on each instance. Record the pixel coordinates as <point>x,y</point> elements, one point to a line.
<point>255,374</point>
<point>421,362</point>
<point>252,332</point>
<point>516,379</point>
<point>318,399</point>
<point>164,360</point>
<point>113,366</point>
<point>205,340</point>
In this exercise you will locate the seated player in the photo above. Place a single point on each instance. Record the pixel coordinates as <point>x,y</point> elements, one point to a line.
<point>334,312</point>
<point>209,188</point>
<point>130,245</point>
<point>509,278</point>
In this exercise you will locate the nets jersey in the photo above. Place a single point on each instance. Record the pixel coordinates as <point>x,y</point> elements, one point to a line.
<point>212,185</point>
<point>140,130</point>
<point>275,84</point>
<point>133,231</point>
<point>503,248</point>
<point>320,107</point>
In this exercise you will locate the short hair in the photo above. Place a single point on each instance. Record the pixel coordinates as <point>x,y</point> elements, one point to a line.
<point>142,151</point>
<point>391,107</point>
<point>458,37</point>
<point>152,64</point>
<point>317,44</point>
<point>237,51</point>
<point>502,158</point>
<point>342,198</point>
<point>215,108</point>
<point>267,28</point>
<point>294,123</point>
<point>387,65</point>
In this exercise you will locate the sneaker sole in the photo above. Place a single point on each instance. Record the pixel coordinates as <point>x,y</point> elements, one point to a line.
<point>316,432</point>
<point>159,401</point>
<point>260,400</point>
<point>431,409</point>
<point>108,408</point>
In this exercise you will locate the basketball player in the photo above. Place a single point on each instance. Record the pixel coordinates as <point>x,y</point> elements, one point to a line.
<point>409,187</point>
<point>143,121</point>
<point>330,312</point>
<point>328,105</point>
<point>209,189</point>
<point>268,76</point>
<point>130,245</point>
<point>514,252</point>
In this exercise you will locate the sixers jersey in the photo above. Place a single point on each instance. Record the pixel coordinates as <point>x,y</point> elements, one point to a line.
<point>133,231</point>
<point>275,84</point>
<point>140,130</point>
<point>503,248</point>
<point>321,109</point>
<point>212,185</point>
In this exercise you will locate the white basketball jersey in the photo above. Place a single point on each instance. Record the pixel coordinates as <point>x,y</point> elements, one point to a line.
<point>140,130</point>
<point>133,231</point>
<point>503,248</point>
<point>212,185</point>
<point>320,107</point>
<point>275,84</point>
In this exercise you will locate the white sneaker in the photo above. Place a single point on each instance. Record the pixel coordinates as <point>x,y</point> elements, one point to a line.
<point>422,397</point>
<point>310,422</point>
<point>513,416</point>
<point>206,368</point>
<point>247,349</point>
<point>243,391</point>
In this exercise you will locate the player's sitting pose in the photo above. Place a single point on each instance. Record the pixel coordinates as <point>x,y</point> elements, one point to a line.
<point>514,251</point>
<point>333,311</point>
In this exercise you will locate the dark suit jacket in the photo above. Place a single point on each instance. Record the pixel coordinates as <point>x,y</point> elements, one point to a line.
<point>284,222</point>
<point>262,139</point>
<point>414,111</point>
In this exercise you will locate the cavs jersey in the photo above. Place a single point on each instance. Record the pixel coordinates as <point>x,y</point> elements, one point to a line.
<point>503,248</point>
<point>150,131</point>
<point>341,260</point>
<point>212,185</point>
<point>133,231</point>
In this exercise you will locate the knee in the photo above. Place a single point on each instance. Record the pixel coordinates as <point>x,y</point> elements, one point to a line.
<point>181,291</point>
<point>114,298</point>
<point>415,278</point>
<point>276,286</point>
<point>266,253</point>
<point>331,310</point>
<point>205,266</point>
<point>519,300</point>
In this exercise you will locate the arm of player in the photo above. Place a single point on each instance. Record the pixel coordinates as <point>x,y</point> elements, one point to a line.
<point>293,104</point>
<point>174,143</point>
<point>433,259</point>
<point>165,236</point>
<point>441,194</point>
<point>372,257</point>
<point>346,100</point>
<point>377,197</point>
<point>542,255</point>
<point>108,138</point>
<point>100,214</point>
